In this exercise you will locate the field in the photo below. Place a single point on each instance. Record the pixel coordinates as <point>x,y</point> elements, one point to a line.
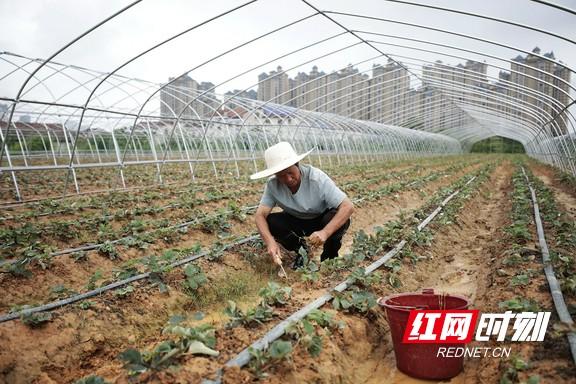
<point>191,275</point>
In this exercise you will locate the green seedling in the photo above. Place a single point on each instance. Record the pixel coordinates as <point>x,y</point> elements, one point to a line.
<point>359,278</point>
<point>520,280</point>
<point>109,250</point>
<point>520,304</point>
<point>261,360</point>
<point>195,278</point>
<point>253,316</point>
<point>35,320</point>
<point>199,340</point>
<point>157,269</point>
<point>60,292</point>
<point>92,379</point>
<point>275,295</point>
<point>511,368</point>
<point>93,280</point>
<point>86,304</point>
<point>122,292</point>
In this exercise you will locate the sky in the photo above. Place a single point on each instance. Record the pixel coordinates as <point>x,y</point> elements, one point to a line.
<point>39,28</point>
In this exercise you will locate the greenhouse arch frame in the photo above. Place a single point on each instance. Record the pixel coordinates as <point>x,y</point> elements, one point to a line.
<point>67,122</point>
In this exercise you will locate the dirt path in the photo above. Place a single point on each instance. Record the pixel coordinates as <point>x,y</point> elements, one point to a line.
<point>566,200</point>
<point>457,262</point>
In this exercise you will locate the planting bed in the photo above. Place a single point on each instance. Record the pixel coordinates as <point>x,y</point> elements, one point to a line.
<point>482,245</point>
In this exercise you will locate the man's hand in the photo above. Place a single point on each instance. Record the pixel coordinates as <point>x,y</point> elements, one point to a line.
<point>274,252</point>
<point>318,238</point>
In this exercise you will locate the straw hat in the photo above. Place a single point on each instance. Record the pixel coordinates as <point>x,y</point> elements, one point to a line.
<point>279,157</point>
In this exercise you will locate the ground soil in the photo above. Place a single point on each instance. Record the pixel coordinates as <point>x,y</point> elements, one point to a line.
<point>463,258</point>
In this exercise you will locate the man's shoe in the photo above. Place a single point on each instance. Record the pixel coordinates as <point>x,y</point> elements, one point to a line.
<point>298,262</point>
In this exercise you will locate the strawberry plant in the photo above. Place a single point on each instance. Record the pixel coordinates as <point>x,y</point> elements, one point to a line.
<point>195,278</point>
<point>519,231</point>
<point>522,279</point>
<point>18,269</point>
<point>236,212</point>
<point>191,341</point>
<point>157,268</point>
<point>275,295</point>
<point>125,291</point>
<point>60,292</point>
<point>353,301</point>
<point>323,319</point>
<point>63,230</point>
<point>106,233</point>
<point>109,250</point>
<point>169,235</point>
<point>359,278</point>
<point>92,379</point>
<point>253,316</point>
<point>262,359</point>
<point>217,223</point>
<point>511,367</point>
<point>307,335</point>
<point>93,279</point>
<point>126,270</point>
<point>309,269</point>
<point>136,226</point>
<point>341,300</point>
<point>35,320</point>
<point>520,304</point>
<point>86,304</point>
<point>216,251</point>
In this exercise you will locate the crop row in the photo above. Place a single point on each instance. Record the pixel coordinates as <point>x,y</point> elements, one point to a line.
<point>181,337</point>
<point>305,336</point>
<point>32,241</point>
<point>168,192</point>
<point>150,263</point>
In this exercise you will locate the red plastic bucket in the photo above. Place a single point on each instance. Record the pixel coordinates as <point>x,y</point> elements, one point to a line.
<point>421,360</point>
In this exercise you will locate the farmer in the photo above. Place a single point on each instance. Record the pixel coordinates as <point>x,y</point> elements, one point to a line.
<point>312,206</point>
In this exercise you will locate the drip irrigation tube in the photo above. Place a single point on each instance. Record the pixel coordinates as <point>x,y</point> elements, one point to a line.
<point>555,289</point>
<point>244,357</point>
<point>117,284</point>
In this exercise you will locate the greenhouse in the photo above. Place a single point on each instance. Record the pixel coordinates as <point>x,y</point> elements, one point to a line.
<point>59,119</point>
<point>128,134</point>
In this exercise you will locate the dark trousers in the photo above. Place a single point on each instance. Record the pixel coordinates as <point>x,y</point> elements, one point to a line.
<point>290,231</point>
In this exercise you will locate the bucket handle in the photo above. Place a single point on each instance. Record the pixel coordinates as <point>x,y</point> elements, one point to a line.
<point>400,306</point>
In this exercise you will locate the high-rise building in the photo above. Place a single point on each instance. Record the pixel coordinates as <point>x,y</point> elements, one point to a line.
<point>274,87</point>
<point>206,102</point>
<point>308,91</point>
<point>447,88</point>
<point>177,96</point>
<point>540,86</point>
<point>389,93</point>
<point>231,96</point>
<point>535,89</point>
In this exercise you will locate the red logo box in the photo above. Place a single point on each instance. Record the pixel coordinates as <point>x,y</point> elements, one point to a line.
<point>440,326</point>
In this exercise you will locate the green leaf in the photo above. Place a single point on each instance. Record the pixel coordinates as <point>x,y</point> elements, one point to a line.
<point>131,356</point>
<point>315,346</point>
<point>91,380</point>
<point>35,320</point>
<point>280,349</point>
<point>308,327</point>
